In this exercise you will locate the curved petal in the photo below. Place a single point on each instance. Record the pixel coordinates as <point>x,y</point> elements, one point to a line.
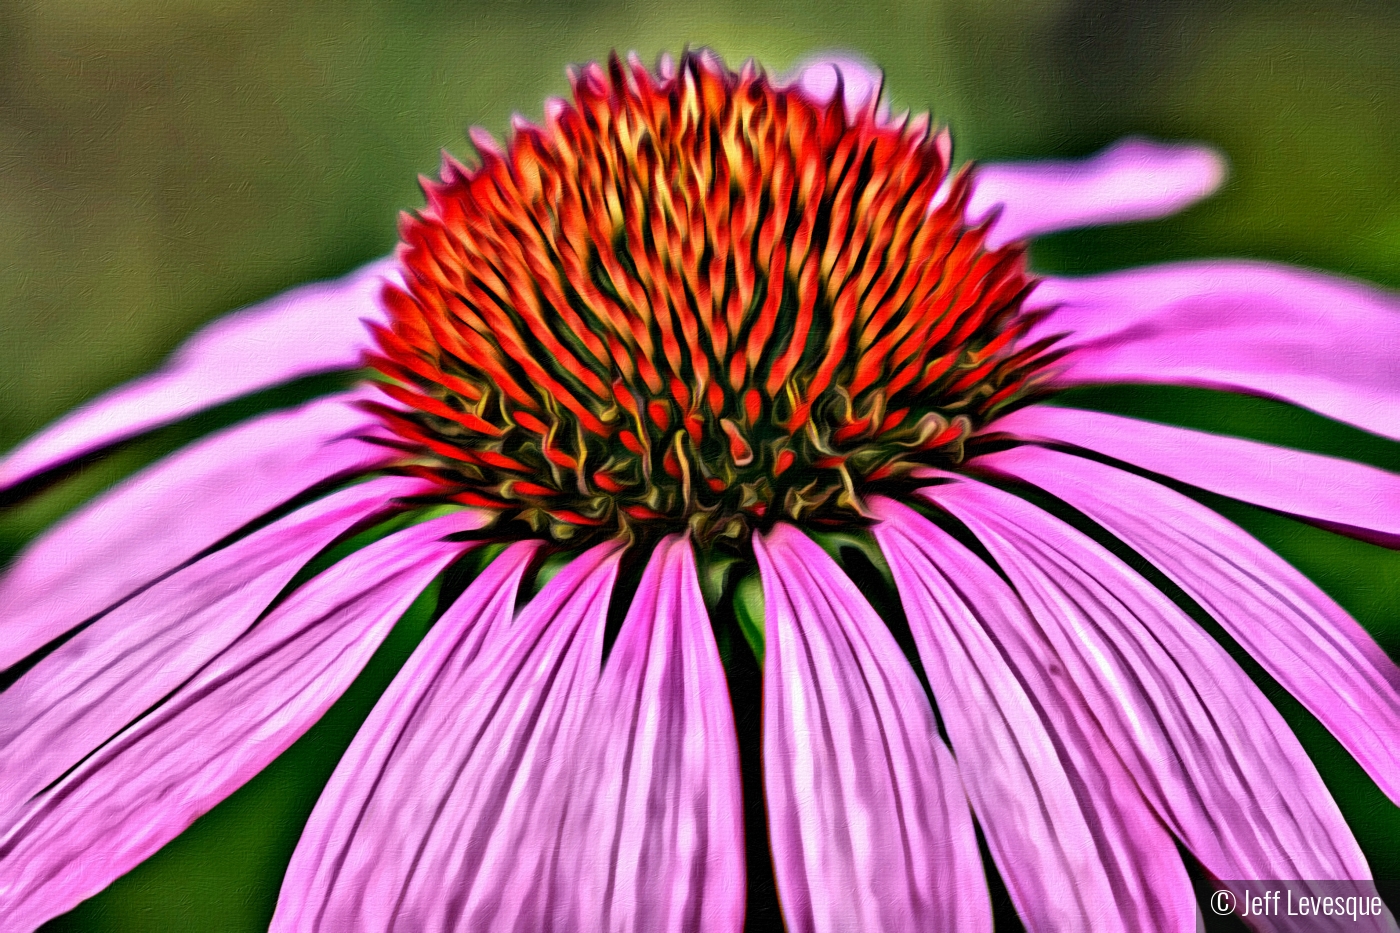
<point>167,514</point>
<point>461,830</point>
<point>868,820</point>
<point>666,828</point>
<point>240,711</point>
<point>819,77</point>
<point>1133,179</point>
<point>1313,340</point>
<point>359,837</point>
<point>1342,496</point>
<point>1069,830</point>
<point>103,678</point>
<point>1301,637</point>
<point>311,329</point>
<point>1210,754</point>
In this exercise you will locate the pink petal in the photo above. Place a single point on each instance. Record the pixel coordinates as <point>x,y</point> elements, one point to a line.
<point>1301,637</point>
<point>1073,838</point>
<point>167,514</point>
<point>460,829</point>
<point>1346,497</point>
<point>1319,342</point>
<point>1133,179</point>
<point>859,80</point>
<point>1209,753</point>
<point>868,821</point>
<point>103,678</point>
<point>666,830</point>
<point>242,709</point>
<point>311,329</point>
<point>346,871</point>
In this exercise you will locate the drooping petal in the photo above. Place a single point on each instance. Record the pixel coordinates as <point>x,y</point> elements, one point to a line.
<point>869,824</point>
<point>103,678</point>
<point>1342,496</point>
<point>312,329</point>
<point>1302,638</point>
<point>461,831</point>
<point>1210,754</point>
<point>167,514</point>
<point>1070,833</point>
<point>240,711</point>
<point>1316,341</point>
<point>1133,179</point>
<point>360,838</point>
<point>666,828</point>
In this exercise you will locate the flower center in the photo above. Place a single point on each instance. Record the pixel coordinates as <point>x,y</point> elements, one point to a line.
<point>696,299</point>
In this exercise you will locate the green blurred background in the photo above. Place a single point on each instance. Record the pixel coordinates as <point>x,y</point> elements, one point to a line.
<point>164,161</point>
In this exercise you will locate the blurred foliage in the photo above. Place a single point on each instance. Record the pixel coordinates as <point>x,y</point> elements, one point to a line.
<point>163,161</point>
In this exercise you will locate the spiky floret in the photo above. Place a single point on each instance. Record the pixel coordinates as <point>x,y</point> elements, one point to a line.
<point>695,298</point>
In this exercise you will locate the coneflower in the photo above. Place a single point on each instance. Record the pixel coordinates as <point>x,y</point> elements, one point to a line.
<point>632,380</point>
